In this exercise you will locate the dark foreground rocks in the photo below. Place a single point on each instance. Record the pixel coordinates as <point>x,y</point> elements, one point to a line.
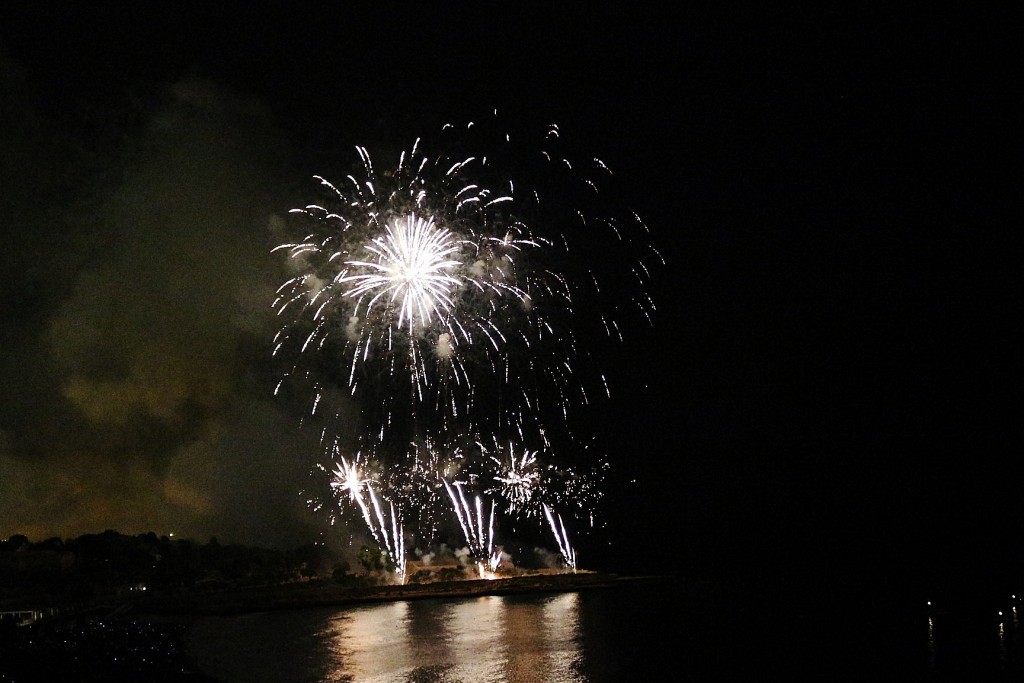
<point>94,649</point>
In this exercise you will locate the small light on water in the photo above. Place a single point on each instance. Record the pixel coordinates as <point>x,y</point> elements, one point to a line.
<point>929,603</point>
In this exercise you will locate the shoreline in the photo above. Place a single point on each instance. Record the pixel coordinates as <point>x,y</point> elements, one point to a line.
<point>327,593</point>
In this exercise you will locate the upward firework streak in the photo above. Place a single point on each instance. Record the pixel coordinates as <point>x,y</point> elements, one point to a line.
<point>386,528</point>
<point>561,537</point>
<point>458,292</point>
<point>479,537</point>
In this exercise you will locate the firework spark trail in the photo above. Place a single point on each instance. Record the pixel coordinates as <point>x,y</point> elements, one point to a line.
<point>479,540</point>
<point>347,478</point>
<point>562,538</point>
<point>394,542</point>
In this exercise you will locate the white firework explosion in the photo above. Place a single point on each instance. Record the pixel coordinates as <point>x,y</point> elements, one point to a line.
<point>443,293</point>
<point>411,272</point>
<point>517,478</point>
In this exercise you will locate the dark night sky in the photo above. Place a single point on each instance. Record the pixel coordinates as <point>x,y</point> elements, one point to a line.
<point>832,376</point>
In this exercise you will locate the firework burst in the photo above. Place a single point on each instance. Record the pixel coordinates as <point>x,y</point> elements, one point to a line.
<point>443,291</point>
<point>526,480</point>
<point>410,273</point>
<point>517,478</point>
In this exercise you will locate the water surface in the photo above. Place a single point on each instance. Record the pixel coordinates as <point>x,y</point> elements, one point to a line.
<point>643,631</point>
<point>588,636</point>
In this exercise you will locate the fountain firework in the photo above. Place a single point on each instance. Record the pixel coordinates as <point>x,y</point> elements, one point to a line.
<point>479,537</point>
<point>561,538</point>
<point>385,527</point>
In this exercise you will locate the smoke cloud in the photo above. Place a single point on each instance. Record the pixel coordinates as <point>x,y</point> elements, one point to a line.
<point>139,301</point>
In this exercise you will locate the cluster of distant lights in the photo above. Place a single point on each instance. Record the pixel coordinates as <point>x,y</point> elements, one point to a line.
<point>414,285</point>
<point>999,613</point>
<point>1000,618</point>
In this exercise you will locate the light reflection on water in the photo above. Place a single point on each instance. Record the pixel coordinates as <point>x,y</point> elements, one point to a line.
<point>973,640</point>
<point>490,639</point>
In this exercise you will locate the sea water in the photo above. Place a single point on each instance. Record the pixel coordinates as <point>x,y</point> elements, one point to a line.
<point>640,631</point>
<point>604,634</point>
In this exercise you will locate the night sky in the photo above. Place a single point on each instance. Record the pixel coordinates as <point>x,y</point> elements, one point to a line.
<point>832,376</point>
